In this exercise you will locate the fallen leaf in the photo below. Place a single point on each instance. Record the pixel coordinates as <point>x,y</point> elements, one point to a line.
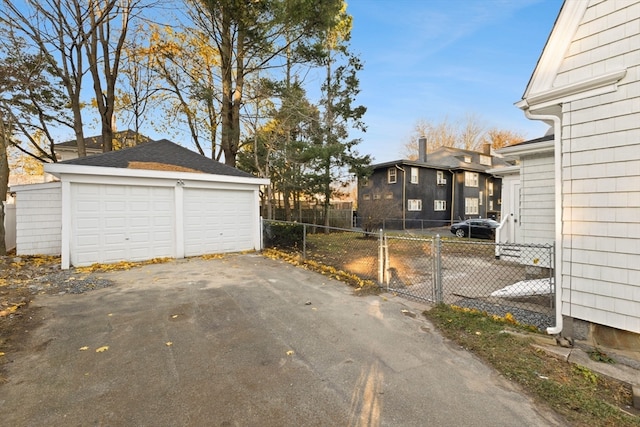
<point>174,316</point>
<point>102,349</point>
<point>290,353</point>
<point>83,348</point>
<point>1,353</point>
<point>110,314</point>
<point>168,343</point>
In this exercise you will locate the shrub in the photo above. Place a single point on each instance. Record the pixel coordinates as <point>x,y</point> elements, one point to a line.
<point>281,235</point>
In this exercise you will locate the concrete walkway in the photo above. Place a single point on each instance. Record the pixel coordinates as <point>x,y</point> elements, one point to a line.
<point>247,341</point>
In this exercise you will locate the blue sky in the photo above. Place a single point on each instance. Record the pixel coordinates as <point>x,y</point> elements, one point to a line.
<point>437,59</point>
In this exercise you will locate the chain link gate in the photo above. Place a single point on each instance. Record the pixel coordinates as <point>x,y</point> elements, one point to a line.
<point>499,279</point>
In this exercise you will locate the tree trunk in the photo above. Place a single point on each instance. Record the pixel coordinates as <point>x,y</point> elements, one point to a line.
<point>4,181</point>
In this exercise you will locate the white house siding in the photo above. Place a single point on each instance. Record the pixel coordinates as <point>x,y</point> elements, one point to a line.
<point>38,219</point>
<point>9,225</point>
<point>601,171</point>
<point>537,199</point>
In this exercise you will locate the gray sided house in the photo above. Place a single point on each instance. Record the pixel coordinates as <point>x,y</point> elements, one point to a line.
<point>154,200</point>
<point>439,188</point>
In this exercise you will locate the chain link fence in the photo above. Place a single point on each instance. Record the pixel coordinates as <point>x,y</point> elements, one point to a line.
<point>499,279</point>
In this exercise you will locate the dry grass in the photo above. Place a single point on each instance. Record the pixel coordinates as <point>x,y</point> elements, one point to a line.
<point>581,396</point>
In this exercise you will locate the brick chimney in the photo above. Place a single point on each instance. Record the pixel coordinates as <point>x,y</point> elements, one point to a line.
<point>422,149</point>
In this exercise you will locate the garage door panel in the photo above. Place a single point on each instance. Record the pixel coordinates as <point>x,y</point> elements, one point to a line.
<point>117,223</point>
<point>218,221</point>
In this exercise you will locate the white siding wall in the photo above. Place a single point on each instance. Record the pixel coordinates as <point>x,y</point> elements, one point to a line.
<point>601,171</point>
<point>537,199</point>
<point>39,219</point>
<point>9,225</point>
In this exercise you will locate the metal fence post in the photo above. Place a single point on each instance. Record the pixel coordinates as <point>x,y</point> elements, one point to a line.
<point>437,268</point>
<point>304,241</point>
<point>380,257</point>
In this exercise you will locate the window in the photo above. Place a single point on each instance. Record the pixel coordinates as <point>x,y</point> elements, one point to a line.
<point>467,159</point>
<point>388,196</point>
<point>470,206</point>
<point>366,197</point>
<point>471,179</point>
<point>490,188</point>
<point>376,197</point>
<point>485,160</point>
<point>391,175</point>
<point>439,205</point>
<point>414,175</point>
<point>440,179</point>
<point>490,204</point>
<point>480,198</point>
<point>365,182</point>
<point>414,204</point>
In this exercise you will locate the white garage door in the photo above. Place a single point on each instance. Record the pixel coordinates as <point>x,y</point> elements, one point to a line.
<point>116,222</point>
<point>217,221</point>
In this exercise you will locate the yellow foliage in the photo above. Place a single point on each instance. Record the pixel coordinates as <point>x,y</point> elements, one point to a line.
<point>102,349</point>
<point>212,256</point>
<point>11,309</point>
<point>326,270</point>
<point>122,265</point>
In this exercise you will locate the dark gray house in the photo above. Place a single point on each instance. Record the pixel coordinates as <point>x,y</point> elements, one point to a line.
<point>439,188</point>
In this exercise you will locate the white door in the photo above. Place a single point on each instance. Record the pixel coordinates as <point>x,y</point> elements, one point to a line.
<point>218,221</point>
<point>111,223</point>
<point>514,229</point>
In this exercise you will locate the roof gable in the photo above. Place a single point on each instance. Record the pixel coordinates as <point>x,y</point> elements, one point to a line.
<point>558,42</point>
<point>158,155</point>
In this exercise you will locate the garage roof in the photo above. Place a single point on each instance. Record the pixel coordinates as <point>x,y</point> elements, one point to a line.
<point>159,155</point>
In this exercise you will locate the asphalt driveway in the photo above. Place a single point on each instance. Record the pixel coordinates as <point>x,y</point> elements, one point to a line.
<point>247,341</point>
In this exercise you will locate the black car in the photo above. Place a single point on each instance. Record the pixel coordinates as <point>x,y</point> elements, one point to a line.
<point>480,228</point>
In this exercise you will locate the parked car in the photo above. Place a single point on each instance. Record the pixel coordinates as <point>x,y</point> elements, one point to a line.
<point>480,228</point>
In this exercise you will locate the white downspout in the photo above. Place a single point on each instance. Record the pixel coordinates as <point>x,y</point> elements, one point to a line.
<point>557,273</point>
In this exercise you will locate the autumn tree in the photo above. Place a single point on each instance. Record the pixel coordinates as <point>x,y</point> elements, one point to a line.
<point>136,95</point>
<point>251,37</point>
<point>184,69</point>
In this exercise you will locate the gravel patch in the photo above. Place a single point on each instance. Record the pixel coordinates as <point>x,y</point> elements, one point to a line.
<point>39,275</point>
<point>64,282</point>
<point>523,316</point>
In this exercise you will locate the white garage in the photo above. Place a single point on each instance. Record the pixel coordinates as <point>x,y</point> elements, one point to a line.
<point>154,200</point>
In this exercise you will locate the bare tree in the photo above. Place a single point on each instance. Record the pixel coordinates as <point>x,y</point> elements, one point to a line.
<point>499,138</point>
<point>108,25</point>
<point>469,133</point>
<point>4,179</point>
<point>76,37</point>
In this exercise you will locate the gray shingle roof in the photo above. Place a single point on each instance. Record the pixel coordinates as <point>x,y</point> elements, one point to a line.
<point>163,152</point>
<point>451,158</point>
